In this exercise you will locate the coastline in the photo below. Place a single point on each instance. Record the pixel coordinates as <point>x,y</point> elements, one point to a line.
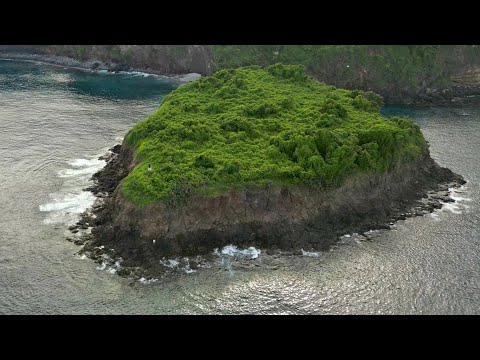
<point>142,262</point>
<point>126,248</point>
<point>71,63</point>
<point>458,94</point>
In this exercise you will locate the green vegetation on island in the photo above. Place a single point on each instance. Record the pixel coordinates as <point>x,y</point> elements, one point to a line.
<point>256,126</point>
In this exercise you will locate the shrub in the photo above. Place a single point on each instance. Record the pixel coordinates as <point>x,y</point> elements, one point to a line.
<point>203,161</point>
<point>280,128</point>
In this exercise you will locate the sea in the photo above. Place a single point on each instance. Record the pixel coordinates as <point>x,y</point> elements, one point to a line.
<point>56,122</point>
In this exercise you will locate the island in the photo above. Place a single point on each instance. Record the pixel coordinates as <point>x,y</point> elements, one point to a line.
<point>259,156</point>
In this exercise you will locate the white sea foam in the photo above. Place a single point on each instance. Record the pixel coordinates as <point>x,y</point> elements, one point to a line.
<point>310,253</point>
<point>86,162</point>
<point>147,281</point>
<point>358,238</point>
<point>205,265</point>
<point>70,200</point>
<point>233,250</point>
<point>189,77</point>
<point>82,167</point>
<point>188,270</point>
<point>136,73</point>
<point>108,266</point>
<point>345,238</point>
<point>179,78</point>
<point>171,263</point>
<point>178,264</point>
<point>457,194</point>
<point>458,198</point>
<point>65,173</point>
<point>183,78</point>
<point>452,207</point>
<point>459,206</point>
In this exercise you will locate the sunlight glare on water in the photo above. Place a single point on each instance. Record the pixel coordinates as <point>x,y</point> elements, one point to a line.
<point>57,122</point>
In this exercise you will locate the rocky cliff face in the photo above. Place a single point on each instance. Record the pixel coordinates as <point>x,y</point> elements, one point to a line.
<point>160,59</point>
<point>164,59</point>
<point>273,218</point>
<point>471,77</point>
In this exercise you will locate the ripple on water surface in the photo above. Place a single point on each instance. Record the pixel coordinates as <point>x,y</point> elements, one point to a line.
<point>55,124</point>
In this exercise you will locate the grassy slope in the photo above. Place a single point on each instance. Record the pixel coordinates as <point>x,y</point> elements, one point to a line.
<point>260,126</point>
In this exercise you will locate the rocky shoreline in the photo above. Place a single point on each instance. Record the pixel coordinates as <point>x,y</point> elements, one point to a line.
<point>455,95</point>
<point>462,93</point>
<point>91,64</point>
<point>64,61</point>
<point>135,242</point>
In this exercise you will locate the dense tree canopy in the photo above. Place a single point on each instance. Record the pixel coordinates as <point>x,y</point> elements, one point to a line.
<point>256,126</point>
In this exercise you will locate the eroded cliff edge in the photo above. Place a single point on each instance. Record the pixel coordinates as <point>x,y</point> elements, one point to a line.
<point>264,157</point>
<point>275,218</point>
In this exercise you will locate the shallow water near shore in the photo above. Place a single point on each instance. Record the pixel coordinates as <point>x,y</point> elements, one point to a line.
<point>57,122</point>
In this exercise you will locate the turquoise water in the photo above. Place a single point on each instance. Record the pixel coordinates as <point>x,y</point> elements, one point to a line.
<point>29,76</point>
<point>56,122</point>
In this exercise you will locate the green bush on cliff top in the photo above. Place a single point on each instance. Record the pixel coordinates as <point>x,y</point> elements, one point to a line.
<point>258,126</point>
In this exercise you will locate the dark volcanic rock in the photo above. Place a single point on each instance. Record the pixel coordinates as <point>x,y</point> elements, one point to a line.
<point>287,219</point>
<point>119,67</point>
<point>120,162</point>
